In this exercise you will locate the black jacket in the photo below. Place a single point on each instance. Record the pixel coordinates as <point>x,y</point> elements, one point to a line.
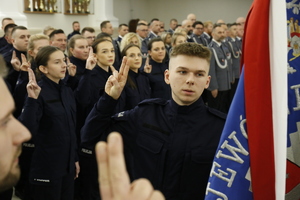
<point>173,146</point>
<point>51,119</point>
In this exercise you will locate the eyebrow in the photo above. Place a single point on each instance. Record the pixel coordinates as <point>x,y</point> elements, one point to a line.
<point>186,68</point>
<point>7,115</point>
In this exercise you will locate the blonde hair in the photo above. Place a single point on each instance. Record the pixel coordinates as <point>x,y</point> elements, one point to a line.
<point>72,41</point>
<point>175,36</point>
<point>31,41</point>
<point>180,30</point>
<point>127,40</point>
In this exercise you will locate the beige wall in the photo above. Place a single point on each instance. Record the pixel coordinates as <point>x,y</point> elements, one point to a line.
<point>213,10</point>
<point>125,10</point>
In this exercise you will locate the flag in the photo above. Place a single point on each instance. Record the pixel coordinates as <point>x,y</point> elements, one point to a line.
<point>250,160</point>
<point>293,136</point>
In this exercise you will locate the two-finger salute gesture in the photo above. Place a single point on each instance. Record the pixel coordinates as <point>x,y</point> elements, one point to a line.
<point>116,82</point>
<point>71,68</point>
<point>33,89</point>
<point>91,61</point>
<point>113,177</point>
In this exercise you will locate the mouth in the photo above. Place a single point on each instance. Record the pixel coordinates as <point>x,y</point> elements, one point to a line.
<point>63,72</point>
<point>111,60</point>
<point>188,92</point>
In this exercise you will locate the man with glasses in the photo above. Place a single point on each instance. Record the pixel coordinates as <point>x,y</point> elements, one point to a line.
<point>197,33</point>
<point>142,32</point>
<point>89,34</point>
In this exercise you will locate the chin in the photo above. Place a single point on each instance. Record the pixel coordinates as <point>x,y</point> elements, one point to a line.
<point>10,179</point>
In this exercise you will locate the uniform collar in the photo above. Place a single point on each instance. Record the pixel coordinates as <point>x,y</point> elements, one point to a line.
<point>186,109</point>
<point>52,83</point>
<point>218,43</point>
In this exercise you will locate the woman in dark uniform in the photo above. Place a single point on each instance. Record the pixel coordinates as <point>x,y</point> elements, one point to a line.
<point>50,115</point>
<point>157,53</point>
<point>137,87</point>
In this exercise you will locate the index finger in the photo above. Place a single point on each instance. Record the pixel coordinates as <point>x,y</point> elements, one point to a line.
<point>124,67</point>
<point>31,75</point>
<point>147,60</point>
<point>119,178</point>
<point>68,60</point>
<point>23,58</point>
<point>102,161</point>
<point>91,52</point>
<point>14,54</point>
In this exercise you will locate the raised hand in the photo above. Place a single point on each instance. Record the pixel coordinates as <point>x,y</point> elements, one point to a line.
<point>15,62</point>
<point>17,65</point>
<point>91,61</point>
<point>113,177</point>
<point>25,64</point>
<point>33,89</point>
<point>147,67</point>
<point>116,82</point>
<point>71,68</point>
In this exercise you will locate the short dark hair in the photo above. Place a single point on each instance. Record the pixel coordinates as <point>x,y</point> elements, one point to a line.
<point>75,22</point>
<point>89,29</point>
<point>103,24</point>
<point>191,49</point>
<point>150,43</point>
<point>229,25</point>
<point>7,27</point>
<point>103,35</point>
<point>6,18</point>
<point>196,23</point>
<point>122,25</point>
<point>18,28</point>
<point>57,31</point>
<point>173,20</point>
<point>152,20</point>
<point>217,25</point>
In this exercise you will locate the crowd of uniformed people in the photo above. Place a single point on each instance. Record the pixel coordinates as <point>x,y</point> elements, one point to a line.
<point>59,85</point>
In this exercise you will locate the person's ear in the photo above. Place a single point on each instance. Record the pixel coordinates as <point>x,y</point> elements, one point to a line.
<point>167,76</point>
<point>207,82</point>
<point>43,69</point>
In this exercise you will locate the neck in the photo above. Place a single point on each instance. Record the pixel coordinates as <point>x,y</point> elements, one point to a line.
<point>106,68</point>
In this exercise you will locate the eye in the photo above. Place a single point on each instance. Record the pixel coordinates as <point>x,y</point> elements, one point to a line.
<point>182,72</point>
<point>5,122</point>
<point>199,74</point>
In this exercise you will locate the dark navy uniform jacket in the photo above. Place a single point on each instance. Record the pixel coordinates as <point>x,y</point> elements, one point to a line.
<point>51,119</point>
<point>73,33</point>
<point>6,48</point>
<point>80,70</point>
<point>132,96</point>
<point>90,88</point>
<point>159,88</point>
<point>3,41</point>
<point>20,92</point>
<point>173,146</point>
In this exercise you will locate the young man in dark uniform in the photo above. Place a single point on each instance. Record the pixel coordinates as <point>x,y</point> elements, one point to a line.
<point>20,37</point>
<point>173,142</point>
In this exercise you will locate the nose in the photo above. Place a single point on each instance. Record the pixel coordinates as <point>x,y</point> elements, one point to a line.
<point>190,79</point>
<point>21,133</point>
